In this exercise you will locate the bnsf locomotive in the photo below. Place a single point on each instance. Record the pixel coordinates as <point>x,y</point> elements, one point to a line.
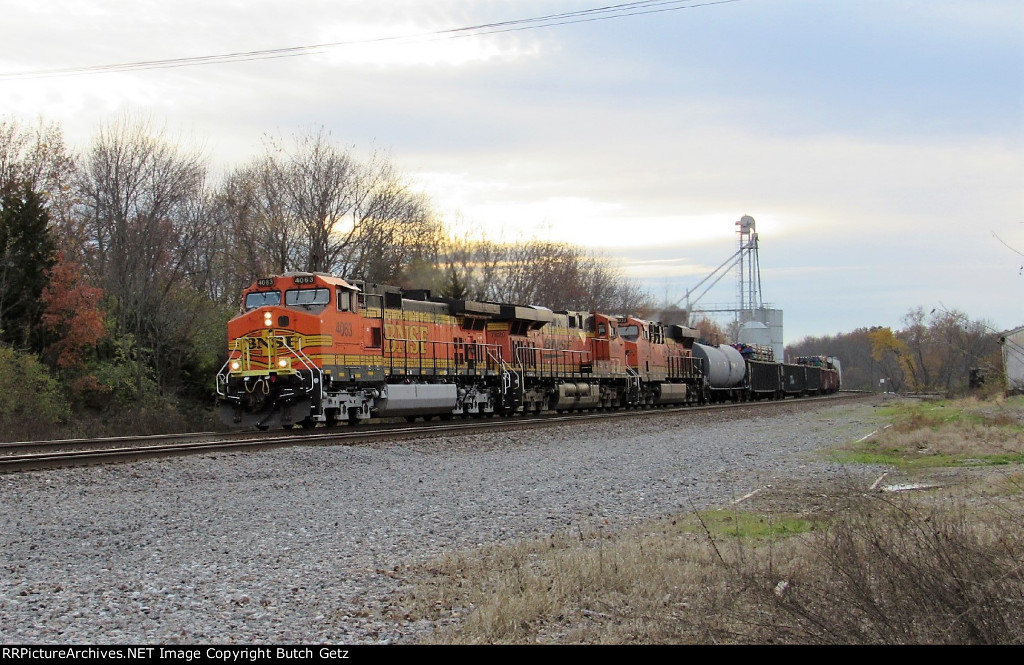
<point>312,348</point>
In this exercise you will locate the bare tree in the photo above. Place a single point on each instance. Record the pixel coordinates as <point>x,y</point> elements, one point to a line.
<point>139,202</point>
<point>312,205</point>
<point>935,352</point>
<point>393,228</point>
<point>322,186</point>
<point>556,275</point>
<point>38,158</point>
<point>945,345</point>
<point>255,222</point>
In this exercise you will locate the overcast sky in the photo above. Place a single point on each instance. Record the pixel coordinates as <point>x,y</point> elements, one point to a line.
<point>877,143</point>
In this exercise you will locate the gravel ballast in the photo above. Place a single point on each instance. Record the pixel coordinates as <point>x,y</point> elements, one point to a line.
<point>300,545</point>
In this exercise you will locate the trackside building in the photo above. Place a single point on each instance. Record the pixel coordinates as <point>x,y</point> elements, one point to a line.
<point>1013,359</point>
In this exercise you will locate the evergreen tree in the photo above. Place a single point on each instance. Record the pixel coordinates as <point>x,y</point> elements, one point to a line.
<point>455,287</point>
<point>27,252</point>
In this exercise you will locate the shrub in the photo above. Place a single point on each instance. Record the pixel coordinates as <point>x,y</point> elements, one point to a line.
<point>33,405</point>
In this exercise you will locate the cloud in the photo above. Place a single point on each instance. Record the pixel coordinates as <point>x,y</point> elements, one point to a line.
<point>878,145</point>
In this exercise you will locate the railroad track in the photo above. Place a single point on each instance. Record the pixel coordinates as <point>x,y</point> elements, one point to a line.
<point>36,455</point>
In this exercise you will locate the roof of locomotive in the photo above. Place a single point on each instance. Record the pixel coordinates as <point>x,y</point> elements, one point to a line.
<point>311,278</point>
<point>421,299</point>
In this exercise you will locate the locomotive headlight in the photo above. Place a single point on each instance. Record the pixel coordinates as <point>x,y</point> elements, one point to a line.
<point>235,365</point>
<point>282,363</point>
<point>268,319</point>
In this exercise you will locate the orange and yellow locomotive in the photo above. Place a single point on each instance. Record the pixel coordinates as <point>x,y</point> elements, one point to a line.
<point>312,348</point>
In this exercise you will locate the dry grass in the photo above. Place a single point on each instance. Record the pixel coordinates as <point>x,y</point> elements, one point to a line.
<point>965,432</point>
<point>814,562</point>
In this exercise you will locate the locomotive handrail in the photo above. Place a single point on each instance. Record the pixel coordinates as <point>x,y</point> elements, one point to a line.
<point>552,367</point>
<point>416,360</point>
<point>307,363</point>
<point>223,376</point>
<point>519,357</point>
<point>493,351</point>
<point>682,367</point>
<point>633,376</point>
<point>581,354</point>
<point>406,357</point>
<point>396,358</point>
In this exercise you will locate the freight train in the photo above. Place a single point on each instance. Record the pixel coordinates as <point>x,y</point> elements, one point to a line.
<point>311,348</point>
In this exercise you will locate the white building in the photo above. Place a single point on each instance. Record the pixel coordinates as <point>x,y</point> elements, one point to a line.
<point>1013,359</point>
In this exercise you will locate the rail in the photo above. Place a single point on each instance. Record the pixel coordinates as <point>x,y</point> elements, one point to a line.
<point>31,455</point>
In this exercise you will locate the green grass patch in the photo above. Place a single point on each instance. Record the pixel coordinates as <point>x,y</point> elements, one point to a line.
<point>944,433</point>
<point>992,460</point>
<point>905,460</point>
<point>745,525</point>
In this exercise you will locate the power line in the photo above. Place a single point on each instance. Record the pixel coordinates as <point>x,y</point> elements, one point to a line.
<point>622,10</point>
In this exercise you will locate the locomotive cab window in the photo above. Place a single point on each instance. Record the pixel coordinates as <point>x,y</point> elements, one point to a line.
<point>630,333</point>
<point>262,299</point>
<point>310,299</point>
<point>344,300</point>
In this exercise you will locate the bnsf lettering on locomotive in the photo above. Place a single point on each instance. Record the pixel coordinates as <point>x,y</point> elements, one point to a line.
<point>556,344</point>
<point>409,347</point>
<point>410,340</point>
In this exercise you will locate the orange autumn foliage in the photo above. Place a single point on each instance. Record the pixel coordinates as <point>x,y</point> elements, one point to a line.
<point>72,318</point>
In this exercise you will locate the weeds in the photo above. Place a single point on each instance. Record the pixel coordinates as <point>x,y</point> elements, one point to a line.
<point>870,567</point>
<point>944,434</point>
<point>896,572</point>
